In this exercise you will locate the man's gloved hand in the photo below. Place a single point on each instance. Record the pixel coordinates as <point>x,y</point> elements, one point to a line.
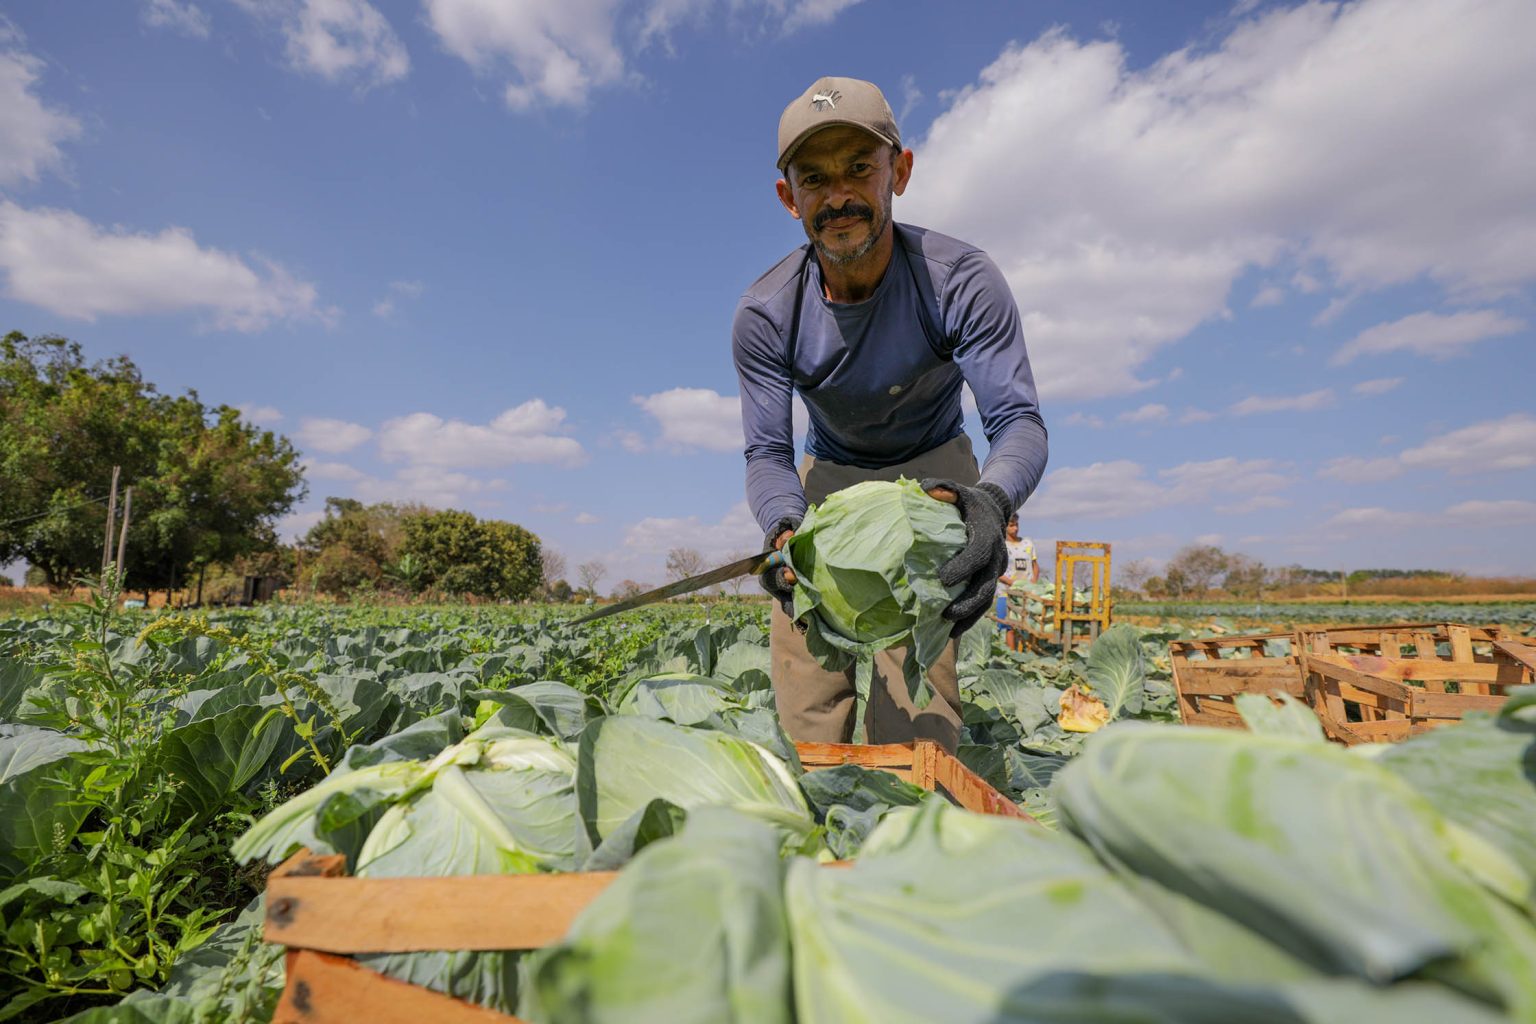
<point>984,509</point>
<point>779,581</point>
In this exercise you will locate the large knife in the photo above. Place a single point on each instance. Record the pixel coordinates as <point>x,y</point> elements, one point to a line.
<point>754,565</point>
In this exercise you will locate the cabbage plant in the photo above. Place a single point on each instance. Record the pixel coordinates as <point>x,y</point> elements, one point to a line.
<point>866,563</point>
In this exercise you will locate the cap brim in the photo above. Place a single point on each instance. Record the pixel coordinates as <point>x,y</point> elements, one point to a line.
<point>831,122</point>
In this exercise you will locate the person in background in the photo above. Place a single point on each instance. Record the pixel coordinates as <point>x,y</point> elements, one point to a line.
<point>1022,565</point>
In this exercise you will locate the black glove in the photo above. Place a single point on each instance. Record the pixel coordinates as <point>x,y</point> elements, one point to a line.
<point>773,580</point>
<point>984,509</point>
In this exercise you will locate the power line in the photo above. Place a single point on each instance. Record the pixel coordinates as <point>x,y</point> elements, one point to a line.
<point>52,511</point>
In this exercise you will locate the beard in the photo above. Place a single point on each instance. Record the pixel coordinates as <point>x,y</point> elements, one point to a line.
<point>878,221</point>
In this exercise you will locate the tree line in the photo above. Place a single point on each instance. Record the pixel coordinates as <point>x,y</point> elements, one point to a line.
<point>209,488</point>
<point>1197,570</point>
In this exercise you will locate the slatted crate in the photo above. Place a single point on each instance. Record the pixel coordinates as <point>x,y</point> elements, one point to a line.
<point>1208,675</point>
<point>1366,698</point>
<point>1405,640</point>
<point>325,917</point>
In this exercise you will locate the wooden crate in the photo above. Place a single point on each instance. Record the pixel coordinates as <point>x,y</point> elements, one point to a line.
<point>323,916</point>
<point>1404,640</point>
<point>1209,674</point>
<point>1365,698</point>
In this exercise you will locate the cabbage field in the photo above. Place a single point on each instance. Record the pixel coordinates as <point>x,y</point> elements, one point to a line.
<point>153,768</point>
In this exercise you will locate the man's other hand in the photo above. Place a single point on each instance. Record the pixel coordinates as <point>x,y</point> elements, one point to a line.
<point>779,581</point>
<point>977,566</point>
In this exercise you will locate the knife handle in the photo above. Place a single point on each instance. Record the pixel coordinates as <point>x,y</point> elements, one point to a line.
<point>773,561</point>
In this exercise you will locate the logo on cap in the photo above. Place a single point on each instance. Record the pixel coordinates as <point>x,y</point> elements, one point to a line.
<point>826,100</point>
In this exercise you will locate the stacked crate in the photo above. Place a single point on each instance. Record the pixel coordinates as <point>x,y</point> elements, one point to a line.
<point>324,917</point>
<point>1366,683</point>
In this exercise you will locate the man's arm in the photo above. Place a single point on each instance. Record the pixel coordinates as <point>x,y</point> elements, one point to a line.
<point>982,318</point>
<point>774,492</point>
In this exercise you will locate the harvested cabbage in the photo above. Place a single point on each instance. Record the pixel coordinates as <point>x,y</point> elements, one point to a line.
<point>866,564</point>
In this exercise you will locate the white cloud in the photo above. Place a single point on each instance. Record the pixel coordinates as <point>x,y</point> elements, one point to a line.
<point>385,307</point>
<point>429,485</point>
<point>296,524</point>
<point>1370,144</point>
<point>1083,419</point>
<point>1378,386</point>
<point>1429,334</point>
<point>696,418</point>
<point>804,13</point>
<point>1465,514</point>
<point>735,531</point>
<point>260,413</point>
<point>176,15</point>
<point>1109,490</point>
<point>556,53</point>
<point>1491,513</point>
<point>1256,503</point>
<point>1355,470</point>
<point>1195,481</point>
<point>1193,415</point>
<point>1375,517</point>
<point>1103,490</point>
<point>338,471</point>
<point>631,441</point>
<point>530,432</point>
<point>337,39</point>
<point>1151,413</point>
<point>1489,447</point>
<point>1309,402</point>
<point>586,519</point>
<point>60,261</point>
<point>1271,295</point>
<point>558,50</point>
<point>30,132</point>
<point>332,436</point>
<point>1495,445</point>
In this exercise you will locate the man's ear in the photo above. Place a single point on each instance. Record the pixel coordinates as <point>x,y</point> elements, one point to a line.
<point>901,171</point>
<point>787,197</point>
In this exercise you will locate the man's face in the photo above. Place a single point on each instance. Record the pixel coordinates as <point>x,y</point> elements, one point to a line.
<point>839,186</point>
<point>1013,529</point>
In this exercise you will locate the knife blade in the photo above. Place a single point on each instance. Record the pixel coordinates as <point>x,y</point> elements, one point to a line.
<point>741,567</point>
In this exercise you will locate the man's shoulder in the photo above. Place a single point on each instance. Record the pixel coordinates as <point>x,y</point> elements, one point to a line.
<point>779,282</point>
<point>940,252</point>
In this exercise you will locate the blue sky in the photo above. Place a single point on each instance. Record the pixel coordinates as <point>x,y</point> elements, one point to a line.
<point>1275,260</point>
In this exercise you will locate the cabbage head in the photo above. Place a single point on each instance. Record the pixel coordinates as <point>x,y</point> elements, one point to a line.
<point>866,562</point>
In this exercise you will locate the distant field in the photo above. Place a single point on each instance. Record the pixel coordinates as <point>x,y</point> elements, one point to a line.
<point>1517,612</point>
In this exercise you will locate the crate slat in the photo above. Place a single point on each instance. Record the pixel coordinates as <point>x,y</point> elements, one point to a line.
<point>326,989</point>
<point>410,915</point>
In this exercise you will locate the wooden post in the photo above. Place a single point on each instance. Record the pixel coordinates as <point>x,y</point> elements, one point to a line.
<point>122,538</point>
<point>106,546</point>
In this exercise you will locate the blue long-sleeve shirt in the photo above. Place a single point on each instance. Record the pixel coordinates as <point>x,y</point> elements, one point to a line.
<point>881,378</point>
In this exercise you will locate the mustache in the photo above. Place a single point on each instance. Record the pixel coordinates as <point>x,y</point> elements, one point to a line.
<point>851,210</point>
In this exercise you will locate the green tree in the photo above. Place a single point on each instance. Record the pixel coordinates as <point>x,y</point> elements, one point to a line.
<point>207,485</point>
<point>1196,568</point>
<point>460,554</point>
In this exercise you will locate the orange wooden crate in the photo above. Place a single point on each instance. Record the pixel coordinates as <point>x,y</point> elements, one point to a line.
<point>1209,674</point>
<point>323,916</point>
<point>1365,698</point>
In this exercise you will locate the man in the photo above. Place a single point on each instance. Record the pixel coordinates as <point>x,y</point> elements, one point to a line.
<point>877,325</point>
<point>1022,565</point>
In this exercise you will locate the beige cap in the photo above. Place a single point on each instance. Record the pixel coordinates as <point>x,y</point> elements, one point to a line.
<point>832,101</point>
